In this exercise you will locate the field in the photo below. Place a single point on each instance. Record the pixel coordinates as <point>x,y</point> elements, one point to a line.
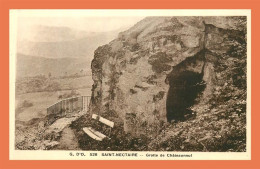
<point>31,105</point>
<point>33,97</point>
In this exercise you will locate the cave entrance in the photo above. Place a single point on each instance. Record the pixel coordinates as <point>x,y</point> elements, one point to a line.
<point>184,89</point>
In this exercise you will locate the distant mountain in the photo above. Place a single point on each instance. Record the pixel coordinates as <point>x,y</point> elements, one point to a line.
<point>60,42</point>
<point>44,49</point>
<point>40,33</point>
<point>28,66</point>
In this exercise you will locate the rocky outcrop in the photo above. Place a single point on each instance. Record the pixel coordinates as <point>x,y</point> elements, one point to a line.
<point>161,69</point>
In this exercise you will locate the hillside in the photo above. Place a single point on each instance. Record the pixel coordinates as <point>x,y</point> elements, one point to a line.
<point>174,84</point>
<point>58,50</point>
<point>60,42</point>
<point>28,66</point>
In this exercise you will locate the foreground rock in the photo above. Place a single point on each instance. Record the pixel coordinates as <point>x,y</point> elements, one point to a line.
<point>164,69</point>
<point>36,135</point>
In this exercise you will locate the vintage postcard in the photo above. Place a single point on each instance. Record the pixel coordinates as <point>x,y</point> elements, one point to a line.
<point>130,84</point>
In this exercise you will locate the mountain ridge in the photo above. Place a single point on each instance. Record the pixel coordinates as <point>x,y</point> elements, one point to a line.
<point>59,42</point>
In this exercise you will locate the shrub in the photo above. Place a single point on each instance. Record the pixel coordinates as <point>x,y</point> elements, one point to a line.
<point>26,104</point>
<point>72,93</point>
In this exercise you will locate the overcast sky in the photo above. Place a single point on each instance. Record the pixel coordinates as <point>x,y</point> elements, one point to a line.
<point>91,24</point>
<point>26,26</point>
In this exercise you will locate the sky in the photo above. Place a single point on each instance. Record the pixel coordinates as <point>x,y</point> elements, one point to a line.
<point>26,25</point>
<point>92,24</point>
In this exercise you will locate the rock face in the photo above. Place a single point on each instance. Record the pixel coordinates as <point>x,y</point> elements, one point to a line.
<point>160,69</point>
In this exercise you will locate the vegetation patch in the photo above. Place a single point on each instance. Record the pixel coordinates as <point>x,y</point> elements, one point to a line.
<point>118,140</point>
<point>141,87</point>
<point>25,104</point>
<point>158,96</point>
<point>160,62</point>
<point>72,93</point>
<point>152,79</point>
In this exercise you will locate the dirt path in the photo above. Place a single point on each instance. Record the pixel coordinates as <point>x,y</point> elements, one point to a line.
<point>68,140</point>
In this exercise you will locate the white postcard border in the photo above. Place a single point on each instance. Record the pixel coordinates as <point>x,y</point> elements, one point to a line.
<point>119,155</point>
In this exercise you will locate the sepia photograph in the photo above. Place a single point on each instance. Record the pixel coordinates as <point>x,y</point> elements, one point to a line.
<point>130,81</point>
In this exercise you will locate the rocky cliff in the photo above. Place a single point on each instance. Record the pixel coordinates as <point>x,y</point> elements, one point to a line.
<point>168,69</point>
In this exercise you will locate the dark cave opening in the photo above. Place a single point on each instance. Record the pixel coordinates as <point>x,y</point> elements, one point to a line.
<point>184,89</point>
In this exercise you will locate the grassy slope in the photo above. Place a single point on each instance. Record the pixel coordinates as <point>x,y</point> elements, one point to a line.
<point>28,134</point>
<point>43,84</point>
<point>42,100</point>
<point>44,66</point>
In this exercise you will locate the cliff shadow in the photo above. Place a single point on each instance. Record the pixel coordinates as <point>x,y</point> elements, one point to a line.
<point>185,84</point>
<point>183,91</point>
